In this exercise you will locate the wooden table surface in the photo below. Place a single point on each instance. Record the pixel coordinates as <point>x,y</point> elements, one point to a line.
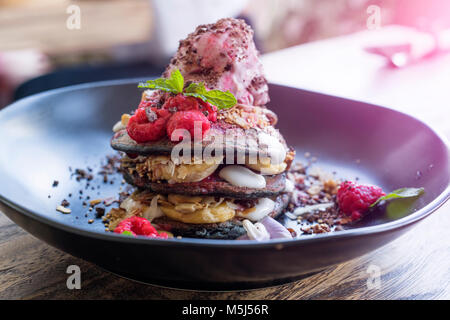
<point>415,266</point>
<point>42,25</point>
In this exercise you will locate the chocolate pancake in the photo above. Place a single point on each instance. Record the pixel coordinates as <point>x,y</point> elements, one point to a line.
<point>228,230</point>
<point>212,186</point>
<point>221,136</point>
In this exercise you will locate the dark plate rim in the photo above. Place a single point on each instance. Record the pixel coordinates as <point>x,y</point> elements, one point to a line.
<point>249,244</point>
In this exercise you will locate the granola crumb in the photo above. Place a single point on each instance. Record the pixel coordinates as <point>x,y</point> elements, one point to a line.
<point>99,212</point>
<point>95,202</point>
<point>313,187</point>
<point>65,203</point>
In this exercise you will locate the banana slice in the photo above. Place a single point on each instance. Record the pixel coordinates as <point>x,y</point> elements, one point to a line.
<point>266,168</point>
<point>218,214</point>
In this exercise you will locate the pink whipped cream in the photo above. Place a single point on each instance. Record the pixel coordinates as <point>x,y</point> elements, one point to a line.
<point>223,56</point>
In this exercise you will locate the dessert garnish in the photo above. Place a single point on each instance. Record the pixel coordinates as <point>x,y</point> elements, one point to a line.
<point>354,200</point>
<point>322,203</point>
<point>401,193</point>
<point>175,84</point>
<point>139,226</point>
<point>182,109</point>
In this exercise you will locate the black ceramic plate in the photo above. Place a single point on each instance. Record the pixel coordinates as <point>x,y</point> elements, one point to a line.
<point>42,135</point>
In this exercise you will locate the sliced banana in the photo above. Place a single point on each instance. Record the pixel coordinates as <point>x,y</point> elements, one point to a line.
<point>217,214</point>
<point>265,167</point>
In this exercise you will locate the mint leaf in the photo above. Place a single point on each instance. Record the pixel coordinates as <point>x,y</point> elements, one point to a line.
<point>198,88</point>
<point>399,209</point>
<point>222,100</point>
<point>158,84</point>
<point>176,80</point>
<point>174,84</point>
<point>127,233</point>
<point>401,193</point>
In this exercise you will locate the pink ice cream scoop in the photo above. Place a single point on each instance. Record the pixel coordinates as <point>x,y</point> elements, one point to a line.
<point>223,56</point>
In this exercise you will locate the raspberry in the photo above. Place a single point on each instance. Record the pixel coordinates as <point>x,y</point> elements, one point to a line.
<point>152,123</point>
<point>355,199</point>
<point>140,115</point>
<point>139,226</point>
<point>161,235</point>
<point>186,120</point>
<point>210,109</point>
<point>145,104</point>
<point>181,103</point>
<point>140,129</point>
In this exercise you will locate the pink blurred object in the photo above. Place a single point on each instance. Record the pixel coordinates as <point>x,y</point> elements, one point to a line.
<point>223,56</point>
<point>413,50</point>
<point>17,67</point>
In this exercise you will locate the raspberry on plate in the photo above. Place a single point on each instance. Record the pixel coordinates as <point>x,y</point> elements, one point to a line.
<point>139,226</point>
<point>354,199</point>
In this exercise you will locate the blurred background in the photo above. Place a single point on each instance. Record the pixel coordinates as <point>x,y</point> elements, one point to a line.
<point>47,44</point>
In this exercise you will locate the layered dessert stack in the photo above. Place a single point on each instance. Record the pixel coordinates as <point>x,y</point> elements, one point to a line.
<point>201,148</point>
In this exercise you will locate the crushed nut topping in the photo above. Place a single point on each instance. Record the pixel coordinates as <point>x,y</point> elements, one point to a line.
<point>247,117</point>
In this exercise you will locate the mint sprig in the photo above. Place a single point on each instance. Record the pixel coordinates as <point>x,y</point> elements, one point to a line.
<point>175,84</point>
<point>401,193</point>
<point>127,233</point>
<point>220,99</point>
